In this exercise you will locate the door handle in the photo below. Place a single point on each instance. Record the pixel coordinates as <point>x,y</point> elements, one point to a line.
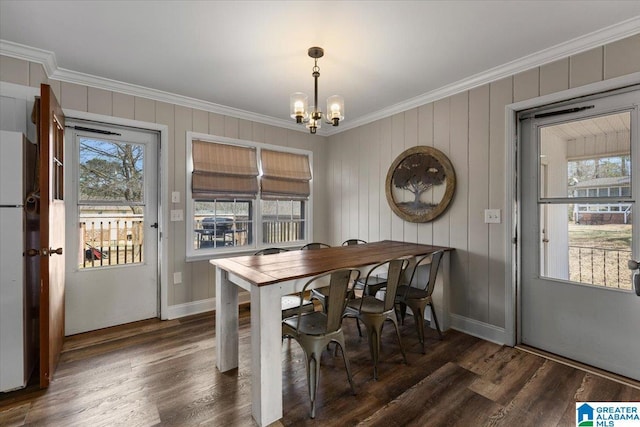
<point>51,251</point>
<point>634,265</point>
<point>32,252</point>
<point>154,225</point>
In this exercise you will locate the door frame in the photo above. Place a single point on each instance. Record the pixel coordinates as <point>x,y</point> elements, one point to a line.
<point>512,333</point>
<point>163,168</point>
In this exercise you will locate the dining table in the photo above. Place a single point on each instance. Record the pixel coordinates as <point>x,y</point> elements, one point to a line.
<point>268,278</point>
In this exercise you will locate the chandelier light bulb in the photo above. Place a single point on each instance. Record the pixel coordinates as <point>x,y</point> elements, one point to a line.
<point>298,106</point>
<point>335,109</point>
<point>312,117</point>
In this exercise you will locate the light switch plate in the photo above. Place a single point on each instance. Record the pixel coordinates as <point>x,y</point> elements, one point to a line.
<point>177,277</point>
<point>177,215</point>
<point>492,216</point>
<point>175,197</point>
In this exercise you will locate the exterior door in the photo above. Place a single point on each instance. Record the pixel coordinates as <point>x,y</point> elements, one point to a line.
<point>52,235</point>
<point>112,262</point>
<point>576,296</point>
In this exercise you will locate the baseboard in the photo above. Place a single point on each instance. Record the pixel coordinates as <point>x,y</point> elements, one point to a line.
<point>201,306</point>
<point>190,308</point>
<point>478,329</point>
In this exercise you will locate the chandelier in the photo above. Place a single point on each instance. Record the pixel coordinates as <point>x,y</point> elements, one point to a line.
<point>312,116</point>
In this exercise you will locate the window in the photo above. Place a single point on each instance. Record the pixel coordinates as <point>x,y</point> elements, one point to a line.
<point>283,221</point>
<point>284,186</point>
<point>245,196</point>
<point>111,202</point>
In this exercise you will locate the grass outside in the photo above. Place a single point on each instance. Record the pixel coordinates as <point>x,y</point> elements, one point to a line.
<point>598,254</point>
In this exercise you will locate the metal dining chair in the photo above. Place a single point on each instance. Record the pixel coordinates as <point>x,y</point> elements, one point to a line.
<point>314,245</point>
<point>373,312</point>
<point>317,294</point>
<point>350,242</point>
<point>289,303</point>
<point>271,251</point>
<point>314,331</point>
<point>375,283</point>
<point>417,297</point>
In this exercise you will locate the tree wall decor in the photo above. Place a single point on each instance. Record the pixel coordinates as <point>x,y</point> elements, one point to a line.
<point>420,184</point>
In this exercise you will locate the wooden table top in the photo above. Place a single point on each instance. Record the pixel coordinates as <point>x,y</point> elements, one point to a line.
<point>264,270</point>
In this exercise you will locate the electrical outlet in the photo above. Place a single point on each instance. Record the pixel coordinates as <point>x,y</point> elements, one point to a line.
<point>492,216</point>
<point>177,277</point>
<point>175,197</point>
<point>176,215</point>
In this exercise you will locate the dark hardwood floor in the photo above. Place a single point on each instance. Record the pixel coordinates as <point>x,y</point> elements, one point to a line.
<point>163,373</point>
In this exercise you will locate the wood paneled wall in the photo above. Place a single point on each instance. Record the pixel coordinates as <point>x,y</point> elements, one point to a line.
<point>470,129</point>
<point>198,278</point>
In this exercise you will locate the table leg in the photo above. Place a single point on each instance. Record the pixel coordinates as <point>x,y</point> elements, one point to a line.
<point>266,348</point>
<point>441,293</point>
<point>226,322</point>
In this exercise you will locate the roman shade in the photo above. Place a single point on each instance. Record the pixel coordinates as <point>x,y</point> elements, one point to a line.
<point>223,171</point>
<point>284,175</point>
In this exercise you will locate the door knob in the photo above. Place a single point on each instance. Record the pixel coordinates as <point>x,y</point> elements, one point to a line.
<point>55,251</point>
<point>32,252</point>
<point>634,265</point>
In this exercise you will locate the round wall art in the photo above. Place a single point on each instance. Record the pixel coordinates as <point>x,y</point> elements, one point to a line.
<point>420,184</point>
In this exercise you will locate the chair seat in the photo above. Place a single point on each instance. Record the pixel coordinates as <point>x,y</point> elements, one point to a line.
<point>414,293</point>
<point>291,304</point>
<point>369,305</point>
<point>310,324</point>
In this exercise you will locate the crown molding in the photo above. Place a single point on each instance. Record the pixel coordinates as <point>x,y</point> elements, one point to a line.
<point>48,61</point>
<point>28,53</point>
<point>580,44</point>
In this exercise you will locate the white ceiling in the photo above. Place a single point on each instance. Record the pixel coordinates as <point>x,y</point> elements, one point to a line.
<point>592,127</point>
<point>250,55</point>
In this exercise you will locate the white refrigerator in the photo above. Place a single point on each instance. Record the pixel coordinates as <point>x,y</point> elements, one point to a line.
<point>18,327</point>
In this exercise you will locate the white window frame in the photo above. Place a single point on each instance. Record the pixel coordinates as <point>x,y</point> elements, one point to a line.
<point>210,253</point>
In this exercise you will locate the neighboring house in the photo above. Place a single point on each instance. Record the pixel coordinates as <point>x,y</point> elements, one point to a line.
<point>604,213</point>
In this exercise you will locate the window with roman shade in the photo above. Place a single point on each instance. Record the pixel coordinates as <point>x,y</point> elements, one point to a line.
<point>231,208</point>
<point>285,176</point>
<point>223,171</point>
